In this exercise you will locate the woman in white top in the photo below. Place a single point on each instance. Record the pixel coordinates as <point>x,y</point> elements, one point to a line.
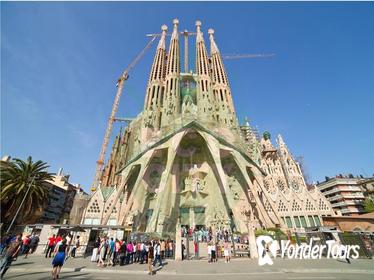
<point>226,252</point>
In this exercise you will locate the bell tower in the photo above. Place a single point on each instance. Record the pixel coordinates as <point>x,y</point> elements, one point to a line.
<point>224,111</point>
<point>204,83</point>
<point>172,91</point>
<point>155,89</point>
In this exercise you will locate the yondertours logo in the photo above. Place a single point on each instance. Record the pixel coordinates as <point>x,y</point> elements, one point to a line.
<point>268,247</point>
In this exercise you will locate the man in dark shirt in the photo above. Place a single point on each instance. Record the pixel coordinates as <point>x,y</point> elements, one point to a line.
<point>11,253</point>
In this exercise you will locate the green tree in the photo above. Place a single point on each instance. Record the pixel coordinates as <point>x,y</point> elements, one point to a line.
<point>15,178</point>
<point>369,204</point>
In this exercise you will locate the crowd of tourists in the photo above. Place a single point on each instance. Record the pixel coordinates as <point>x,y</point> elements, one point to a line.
<point>205,234</point>
<point>111,252</point>
<point>14,245</point>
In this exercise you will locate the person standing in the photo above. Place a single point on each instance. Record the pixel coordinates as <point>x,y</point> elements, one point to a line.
<point>34,243</point>
<point>150,258</point>
<point>209,253</point>
<point>213,252</point>
<point>51,245</point>
<point>226,252</point>
<point>130,252</point>
<point>162,248</point>
<point>143,252</point>
<point>134,252</point>
<point>10,254</point>
<point>183,249</point>
<point>171,249</point>
<point>25,246</point>
<point>69,239</point>
<point>196,249</point>
<point>157,254</point>
<point>102,250</point>
<point>117,250</point>
<point>95,251</point>
<point>58,260</point>
<point>122,255</point>
<point>110,252</point>
<point>75,247</point>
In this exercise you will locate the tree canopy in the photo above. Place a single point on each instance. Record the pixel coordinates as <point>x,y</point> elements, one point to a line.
<point>18,177</point>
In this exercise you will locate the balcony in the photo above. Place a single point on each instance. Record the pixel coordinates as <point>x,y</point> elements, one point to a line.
<point>337,182</point>
<point>354,210</point>
<point>353,195</point>
<point>334,190</point>
<point>338,204</point>
<point>349,188</point>
<point>335,197</point>
<point>354,202</point>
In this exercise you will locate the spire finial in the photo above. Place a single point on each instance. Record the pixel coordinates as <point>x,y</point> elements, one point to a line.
<point>161,43</point>
<point>199,34</point>
<point>175,29</point>
<point>213,46</point>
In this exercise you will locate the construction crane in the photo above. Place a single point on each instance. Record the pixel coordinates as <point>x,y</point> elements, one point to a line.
<point>187,33</point>
<point>120,83</point>
<point>239,56</point>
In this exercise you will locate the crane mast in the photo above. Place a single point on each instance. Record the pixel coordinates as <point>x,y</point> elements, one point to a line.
<point>120,83</point>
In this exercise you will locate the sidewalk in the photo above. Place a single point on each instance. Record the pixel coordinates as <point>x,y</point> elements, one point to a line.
<point>243,266</point>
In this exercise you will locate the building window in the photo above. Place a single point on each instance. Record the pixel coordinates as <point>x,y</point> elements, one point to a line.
<point>96,221</point>
<point>303,221</point>
<point>88,221</point>
<point>297,221</point>
<point>112,222</point>
<point>311,221</point>
<point>185,216</point>
<point>289,222</point>
<point>317,220</point>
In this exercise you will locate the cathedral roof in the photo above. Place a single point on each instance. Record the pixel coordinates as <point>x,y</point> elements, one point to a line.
<point>106,192</point>
<point>198,126</point>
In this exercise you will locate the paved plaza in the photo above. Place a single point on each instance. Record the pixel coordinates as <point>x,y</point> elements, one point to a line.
<point>37,267</point>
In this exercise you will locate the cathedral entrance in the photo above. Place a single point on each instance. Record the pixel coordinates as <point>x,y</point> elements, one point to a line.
<point>192,218</point>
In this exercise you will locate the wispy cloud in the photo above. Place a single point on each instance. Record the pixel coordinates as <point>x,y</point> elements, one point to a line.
<point>84,138</point>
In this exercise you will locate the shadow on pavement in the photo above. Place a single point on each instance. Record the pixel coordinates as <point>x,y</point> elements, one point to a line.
<point>21,263</point>
<point>79,268</point>
<point>20,275</point>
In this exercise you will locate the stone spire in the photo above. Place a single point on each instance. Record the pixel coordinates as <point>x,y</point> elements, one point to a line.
<point>204,98</point>
<point>155,89</point>
<point>172,96</point>
<point>225,111</point>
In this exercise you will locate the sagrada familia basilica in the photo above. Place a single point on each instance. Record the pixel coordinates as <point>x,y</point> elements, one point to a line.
<point>186,161</point>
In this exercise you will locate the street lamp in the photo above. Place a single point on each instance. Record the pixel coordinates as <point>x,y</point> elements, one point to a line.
<point>19,208</point>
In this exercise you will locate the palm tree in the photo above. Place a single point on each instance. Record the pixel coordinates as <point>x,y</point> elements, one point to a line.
<point>15,178</point>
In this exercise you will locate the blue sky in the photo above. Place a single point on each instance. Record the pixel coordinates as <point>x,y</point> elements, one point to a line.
<point>60,62</point>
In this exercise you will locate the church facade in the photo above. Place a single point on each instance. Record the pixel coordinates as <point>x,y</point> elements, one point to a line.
<point>186,161</point>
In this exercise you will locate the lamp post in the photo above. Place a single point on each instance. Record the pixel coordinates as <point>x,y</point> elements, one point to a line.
<point>20,206</point>
<point>251,234</point>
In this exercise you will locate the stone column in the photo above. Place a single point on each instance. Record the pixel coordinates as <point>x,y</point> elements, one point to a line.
<point>251,235</point>
<point>178,242</point>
